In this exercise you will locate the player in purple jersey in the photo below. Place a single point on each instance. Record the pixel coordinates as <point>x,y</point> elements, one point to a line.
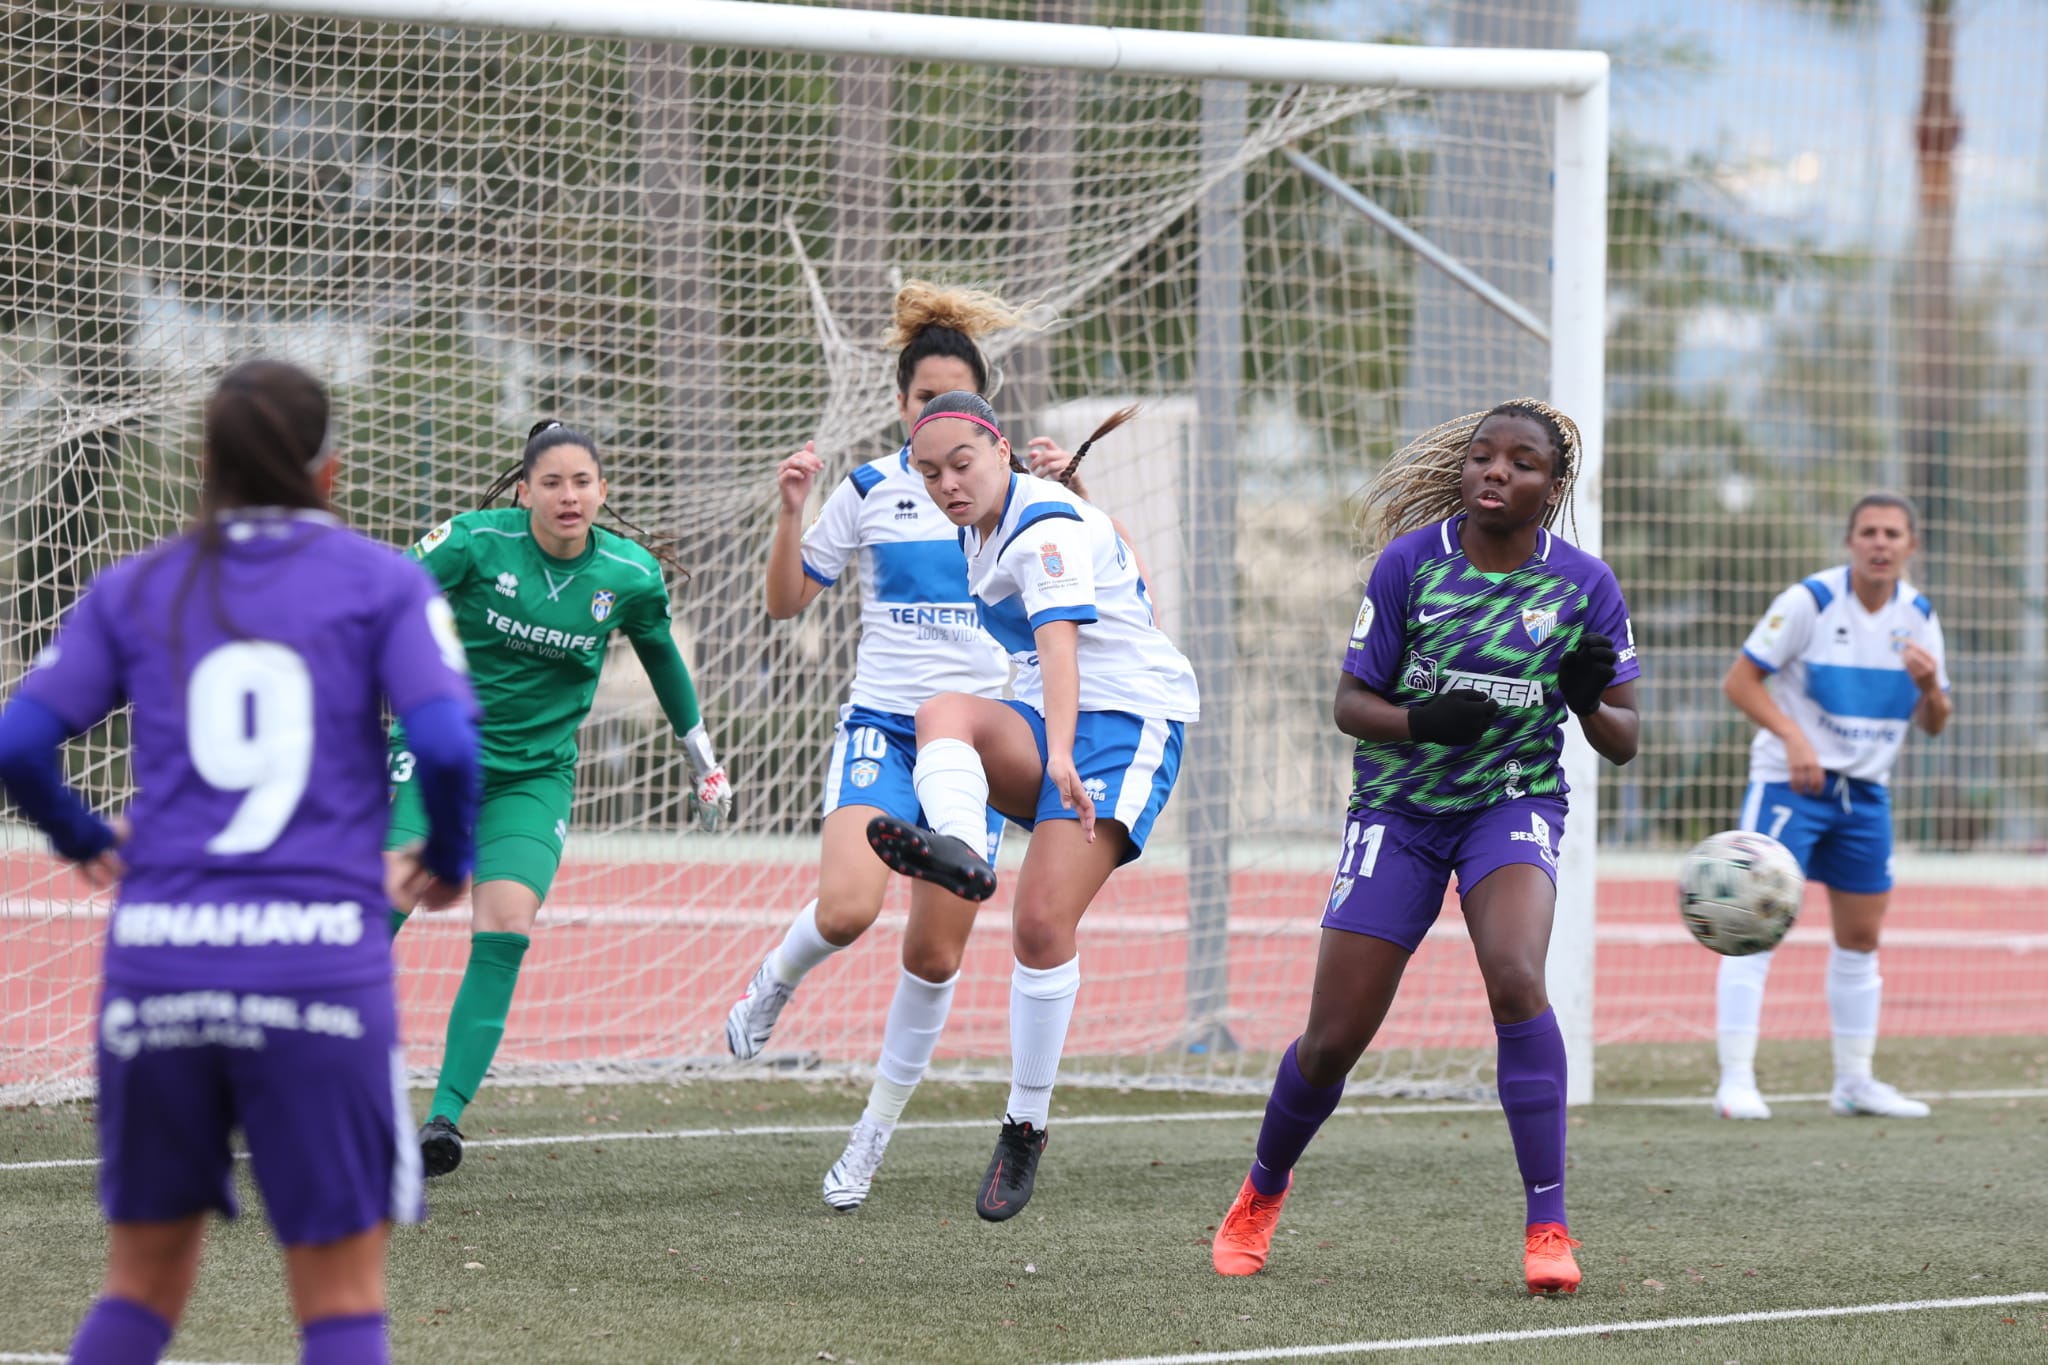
<point>1478,632</point>
<point>248,975</point>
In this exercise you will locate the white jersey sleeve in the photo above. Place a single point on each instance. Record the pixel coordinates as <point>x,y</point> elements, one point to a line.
<point>1936,644</point>
<point>829,544</point>
<point>1052,563</point>
<point>1784,631</point>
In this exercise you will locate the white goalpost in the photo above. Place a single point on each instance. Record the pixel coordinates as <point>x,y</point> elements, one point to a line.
<point>678,225</point>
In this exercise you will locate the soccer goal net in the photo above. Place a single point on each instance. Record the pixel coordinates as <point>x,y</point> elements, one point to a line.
<point>680,227</point>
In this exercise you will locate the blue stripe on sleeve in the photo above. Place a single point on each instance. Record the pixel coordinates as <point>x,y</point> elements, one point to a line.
<point>443,742</point>
<point>1923,606</point>
<point>31,736</point>
<point>1081,614</point>
<point>1822,594</point>
<point>1865,693</point>
<point>1041,512</point>
<point>864,479</point>
<point>817,577</point>
<point>1751,655</point>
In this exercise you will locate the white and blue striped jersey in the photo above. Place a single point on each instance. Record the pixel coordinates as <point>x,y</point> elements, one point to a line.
<point>920,632</point>
<point>1837,673</point>
<point>1056,557</point>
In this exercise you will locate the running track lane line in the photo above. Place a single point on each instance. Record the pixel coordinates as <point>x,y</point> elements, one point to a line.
<point>1351,1348</point>
<point>1073,1121</point>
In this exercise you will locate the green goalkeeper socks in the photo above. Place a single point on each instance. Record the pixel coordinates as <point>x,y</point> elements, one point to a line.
<point>477,1022</point>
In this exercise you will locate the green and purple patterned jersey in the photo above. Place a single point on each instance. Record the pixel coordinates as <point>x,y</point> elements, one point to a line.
<point>1432,623</point>
<point>536,630</point>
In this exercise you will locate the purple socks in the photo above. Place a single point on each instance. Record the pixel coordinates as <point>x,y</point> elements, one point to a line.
<point>120,1332</point>
<point>1294,1112</point>
<point>1531,1079</point>
<point>357,1340</point>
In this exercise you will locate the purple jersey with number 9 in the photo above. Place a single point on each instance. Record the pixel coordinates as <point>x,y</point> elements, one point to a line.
<point>258,679</point>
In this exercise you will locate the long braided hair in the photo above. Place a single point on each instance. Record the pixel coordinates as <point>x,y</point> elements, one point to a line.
<point>544,436</point>
<point>1420,483</point>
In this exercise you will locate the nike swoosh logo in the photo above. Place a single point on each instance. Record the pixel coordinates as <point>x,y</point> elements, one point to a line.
<point>1545,1189</point>
<point>994,1181</point>
<point>1424,617</point>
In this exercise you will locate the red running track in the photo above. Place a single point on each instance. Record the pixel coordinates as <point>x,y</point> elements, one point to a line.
<point>640,960</point>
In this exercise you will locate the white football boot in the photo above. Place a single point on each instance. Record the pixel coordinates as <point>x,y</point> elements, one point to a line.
<point>1737,1101</point>
<point>1866,1096</point>
<point>847,1183</point>
<point>752,1017</point>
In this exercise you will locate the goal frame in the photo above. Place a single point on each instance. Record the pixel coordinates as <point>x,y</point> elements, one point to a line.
<point>1579,81</point>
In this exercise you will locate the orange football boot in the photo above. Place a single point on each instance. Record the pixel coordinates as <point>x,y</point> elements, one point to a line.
<point>1246,1234</point>
<point>1547,1262</point>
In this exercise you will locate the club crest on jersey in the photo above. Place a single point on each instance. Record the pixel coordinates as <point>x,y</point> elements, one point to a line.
<point>1540,623</point>
<point>1055,565</point>
<point>601,603</point>
<point>864,773</point>
<point>1900,639</point>
<point>1419,674</point>
<point>436,536</point>
<point>508,585</point>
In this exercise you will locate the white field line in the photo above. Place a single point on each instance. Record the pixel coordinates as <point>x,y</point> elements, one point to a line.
<point>1072,1121</point>
<point>1629,933</point>
<point>1354,1348</point>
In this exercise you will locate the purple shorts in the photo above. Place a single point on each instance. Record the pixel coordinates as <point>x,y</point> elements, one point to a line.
<point>1394,868</point>
<point>313,1078</point>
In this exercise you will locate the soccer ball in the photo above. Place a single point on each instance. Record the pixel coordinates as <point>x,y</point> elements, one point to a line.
<point>1739,891</point>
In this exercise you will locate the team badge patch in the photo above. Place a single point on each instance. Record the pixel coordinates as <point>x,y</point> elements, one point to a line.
<point>1363,626</point>
<point>1049,556</point>
<point>1340,891</point>
<point>864,773</point>
<point>436,536</point>
<point>1900,639</point>
<point>601,603</point>
<point>1540,622</point>
<point>1420,674</point>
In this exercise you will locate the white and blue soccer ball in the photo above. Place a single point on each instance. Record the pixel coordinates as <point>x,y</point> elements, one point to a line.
<point>1739,892</point>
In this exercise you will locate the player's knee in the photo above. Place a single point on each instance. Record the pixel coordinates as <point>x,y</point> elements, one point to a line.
<point>1040,940</point>
<point>1324,1059</point>
<point>933,962</point>
<point>842,920</point>
<point>1516,992</point>
<point>1856,938</point>
<point>947,716</point>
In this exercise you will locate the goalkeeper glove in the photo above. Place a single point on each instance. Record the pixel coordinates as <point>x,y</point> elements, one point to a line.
<point>1457,717</point>
<point>712,796</point>
<point>1585,672</point>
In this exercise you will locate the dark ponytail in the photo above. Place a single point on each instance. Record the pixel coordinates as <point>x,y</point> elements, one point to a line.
<point>549,433</point>
<point>1109,424</point>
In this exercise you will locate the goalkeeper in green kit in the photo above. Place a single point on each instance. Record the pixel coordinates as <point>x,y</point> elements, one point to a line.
<point>537,590</point>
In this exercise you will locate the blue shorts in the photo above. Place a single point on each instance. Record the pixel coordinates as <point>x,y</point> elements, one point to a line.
<point>313,1078</point>
<point>1394,868</point>
<point>1841,838</point>
<point>873,756</point>
<point>1127,765</point>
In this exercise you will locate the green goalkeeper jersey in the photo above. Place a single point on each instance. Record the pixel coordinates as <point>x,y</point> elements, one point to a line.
<point>536,629</point>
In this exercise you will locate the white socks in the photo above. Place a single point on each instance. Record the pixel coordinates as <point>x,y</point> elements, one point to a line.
<point>801,949</point>
<point>952,786</point>
<point>1854,993</point>
<point>917,1015</point>
<point>1041,1007</point>
<point>1738,1013</point>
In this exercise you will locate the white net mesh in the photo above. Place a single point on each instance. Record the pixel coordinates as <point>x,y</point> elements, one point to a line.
<point>689,253</point>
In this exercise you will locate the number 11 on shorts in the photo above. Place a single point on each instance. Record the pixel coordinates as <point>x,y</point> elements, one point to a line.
<point>1361,849</point>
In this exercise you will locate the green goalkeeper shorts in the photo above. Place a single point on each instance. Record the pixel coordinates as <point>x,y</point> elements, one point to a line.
<point>519,828</point>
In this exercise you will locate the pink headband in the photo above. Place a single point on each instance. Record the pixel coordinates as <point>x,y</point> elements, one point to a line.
<point>963,416</point>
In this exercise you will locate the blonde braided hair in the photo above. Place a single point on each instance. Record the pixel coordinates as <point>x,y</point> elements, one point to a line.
<point>1420,483</point>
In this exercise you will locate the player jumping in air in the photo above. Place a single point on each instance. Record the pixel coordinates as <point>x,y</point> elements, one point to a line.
<point>1479,632</point>
<point>1856,654</point>
<point>248,975</point>
<point>920,636</point>
<point>1086,756</point>
<point>537,590</point>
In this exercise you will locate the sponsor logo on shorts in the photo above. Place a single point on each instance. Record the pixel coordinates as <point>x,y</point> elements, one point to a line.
<point>1538,834</point>
<point>1049,556</point>
<point>561,831</point>
<point>508,585</point>
<point>864,773</point>
<point>601,603</point>
<point>1097,789</point>
<point>159,1023</point>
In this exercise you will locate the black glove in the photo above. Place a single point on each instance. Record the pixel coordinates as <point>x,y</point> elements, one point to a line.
<point>1459,717</point>
<point>1585,672</point>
